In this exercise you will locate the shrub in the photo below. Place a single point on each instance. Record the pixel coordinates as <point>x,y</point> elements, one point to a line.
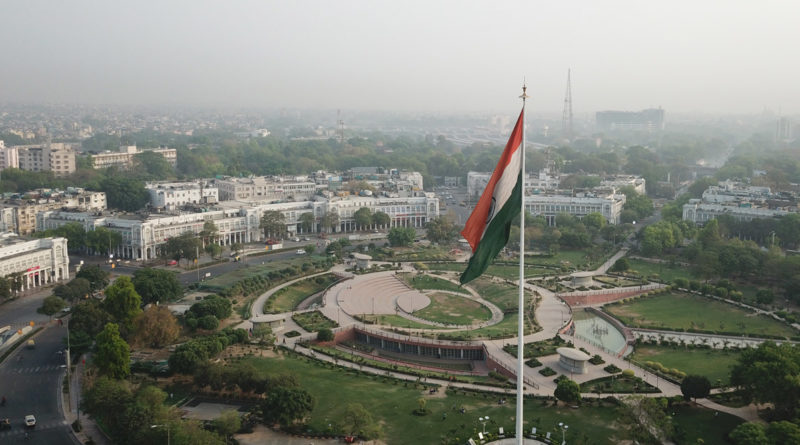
<point>612,369</point>
<point>208,322</point>
<point>547,371</point>
<point>682,283</point>
<point>325,334</point>
<point>628,373</point>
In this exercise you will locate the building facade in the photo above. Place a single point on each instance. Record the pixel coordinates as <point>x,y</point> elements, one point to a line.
<point>41,261</point>
<point>143,237</point>
<point>265,189</point>
<point>18,215</point>
<point>651,119</point>
<point>550,206</point>
<point>174,195</point>
<point>9,157</point>
<point>123,159</point>
<point>699,212</point>
<point>55,157</point>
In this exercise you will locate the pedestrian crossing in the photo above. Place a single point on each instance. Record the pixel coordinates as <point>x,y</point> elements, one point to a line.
<point>31,369</point>
<point>18,429</point>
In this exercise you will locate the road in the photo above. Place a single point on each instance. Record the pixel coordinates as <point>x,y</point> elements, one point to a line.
<point>20,312</point>
<point>31,380</point>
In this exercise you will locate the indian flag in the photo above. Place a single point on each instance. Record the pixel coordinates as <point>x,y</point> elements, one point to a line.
<point>487,228</point>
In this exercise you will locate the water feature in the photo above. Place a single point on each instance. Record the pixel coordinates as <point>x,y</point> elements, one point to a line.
<point>598,331</point>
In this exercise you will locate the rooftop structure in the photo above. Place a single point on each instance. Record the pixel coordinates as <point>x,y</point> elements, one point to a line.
<point>173,195</point>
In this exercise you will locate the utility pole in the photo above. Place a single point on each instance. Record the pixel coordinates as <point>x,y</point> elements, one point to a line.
<point>197,261</point>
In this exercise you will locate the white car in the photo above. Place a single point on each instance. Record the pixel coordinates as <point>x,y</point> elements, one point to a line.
<point>300,252</point>
<point>296,239</point>
<point>30,421</point>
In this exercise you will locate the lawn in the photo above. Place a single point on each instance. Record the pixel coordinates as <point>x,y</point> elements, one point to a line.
<point>287,299</point>
<point>663,271</point>
<point>391,403</point>
<point>569,258</point>
<point>427,282</point>
<point>503,295</point>
<point>453,309</point>
<point>538,348</point>
<point>693,423</point>
<point>618,384</point>
<point>679,311</point>
<point>313,321</point>
<point>509,272</point>
<point>398,321</point>
<point>712,363</point>
<point>504,329</point>
<point>253,269</point>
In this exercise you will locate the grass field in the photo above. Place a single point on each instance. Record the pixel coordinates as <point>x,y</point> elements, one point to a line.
<point>538,348</point>
<point>427,282</point>
<point>452,309</point>
<point>504,329</point>
<point>398,321</point>
<point>712,363</point>
<point>664,271</point>
<point>569,258</point>
<point>313,321</point>
<point>391,403</point>
<point>678,311</point>
<point>509,272</point>
<point>502,295</point>
<point>253,269</point>
<point>287,299</point>
<point>694,423</point>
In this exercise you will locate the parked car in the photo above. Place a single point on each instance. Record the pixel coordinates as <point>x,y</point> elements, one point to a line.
<point>300,252</point>
<point>296,239</point>
<point>30,421</point>
<point>271,241</point>
<point>5,424</point>
<point>173,263</point>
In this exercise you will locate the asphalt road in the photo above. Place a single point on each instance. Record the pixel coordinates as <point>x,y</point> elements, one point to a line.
<point>31,381</point>
<point>20,312</point>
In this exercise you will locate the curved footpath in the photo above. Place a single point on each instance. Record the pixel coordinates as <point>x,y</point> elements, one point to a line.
<point>551,315</point>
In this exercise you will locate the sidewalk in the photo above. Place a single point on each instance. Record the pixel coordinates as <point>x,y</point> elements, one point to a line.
<point>89,430</point>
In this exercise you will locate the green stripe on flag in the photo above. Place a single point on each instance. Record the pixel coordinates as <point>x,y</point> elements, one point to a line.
<point>495,237</point>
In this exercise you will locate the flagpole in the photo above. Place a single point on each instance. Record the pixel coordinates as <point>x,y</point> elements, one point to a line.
<point>521,300</point>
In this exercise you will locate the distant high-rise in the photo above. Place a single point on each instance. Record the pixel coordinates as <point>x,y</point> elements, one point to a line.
<point>566,118</point>
<point>784,131</point>
<point>651,119</point>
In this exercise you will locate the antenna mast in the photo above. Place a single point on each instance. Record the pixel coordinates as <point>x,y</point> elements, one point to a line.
<point>566,119</point>
<point>340,124</point>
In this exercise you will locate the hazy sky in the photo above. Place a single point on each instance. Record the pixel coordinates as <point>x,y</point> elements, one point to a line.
<point>714,56</point>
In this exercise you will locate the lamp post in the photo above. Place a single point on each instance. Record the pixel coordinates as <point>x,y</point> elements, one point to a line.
<point>483,420</point>
<point>564,428</point>
<point>165,426</point>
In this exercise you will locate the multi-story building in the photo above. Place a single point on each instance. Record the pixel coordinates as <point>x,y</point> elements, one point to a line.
<point>699,212</point>
<point>18,214</point>
<point>618,181</point>
<point>123,159</point>
<point>40,261</point>
<point>56,157</point>
<point>651,119</point>
<point>173,195</point>
<point>9,157</point>
<point>731,191</point>
<point>550,206</point>
<point>143,236</point>
<point>265,189</point>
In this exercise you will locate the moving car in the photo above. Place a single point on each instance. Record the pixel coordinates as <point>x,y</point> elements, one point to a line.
<point>30,421</point>
<point>300,252</point>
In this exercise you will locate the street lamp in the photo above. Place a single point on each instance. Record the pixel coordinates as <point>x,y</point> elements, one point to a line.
<point>564,428</point>
<point>165,426</point>
<point>483,420</point>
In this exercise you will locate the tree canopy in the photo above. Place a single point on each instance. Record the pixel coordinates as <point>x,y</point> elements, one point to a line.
<point>112,354</point>
<point>157,285</point>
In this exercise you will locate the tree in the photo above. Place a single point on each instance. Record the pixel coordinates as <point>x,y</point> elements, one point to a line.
<point>783,432</point>
<point>401,236</point>
<point>568,391</point>
<point>5,288</point>
<point>287,405</point>
<point>695,386</point>
<point>214,250</point>
<point>363,217</point>
<point>155,328</point>
<point>209,232</point>
<point>124,193</point>
<point>184,245</point>
<point>122,302</point>
<point>770,374</point>
<point>765,296</point>
<point>325,334</point>
<point>51,305</point>
<point>228,423</point>
<point>330,221</point>
<point>97,277</point>
<point>112,354</point>
<point>357,421</point>
<point>273,223</point>
<point>621,265</point>
<point>153,165</point>
<point>307,222</point>
<point>76,289</point>
<point>157,285</point>
<point>381,219</point>
<point>440,230</point>
<point>102,239</point>
<point>637,411</point>
<point>263,332</point>
<point>749,433</point>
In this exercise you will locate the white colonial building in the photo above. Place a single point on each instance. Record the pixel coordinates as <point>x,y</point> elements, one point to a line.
<point>265,189</point>
<point>143,236</point>
<point>699,212</point>
<point>173,195</point>
<point>40,261</point>
<point>549,206</point>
